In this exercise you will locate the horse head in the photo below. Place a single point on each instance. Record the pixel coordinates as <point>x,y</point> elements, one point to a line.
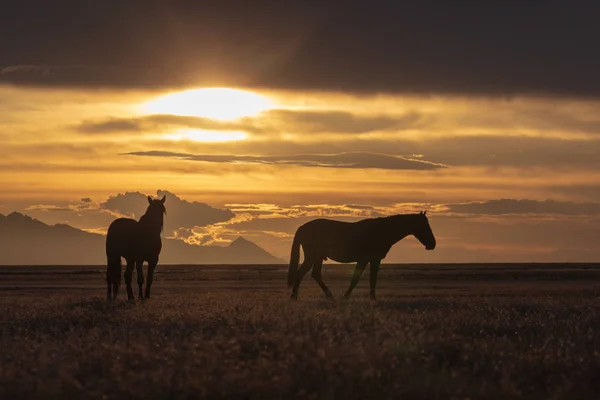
<point>156,206</point>
<point>153,218</point>
<point>422,231</point>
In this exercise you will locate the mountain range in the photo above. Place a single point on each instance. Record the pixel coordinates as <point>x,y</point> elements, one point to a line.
<point>28,241</point>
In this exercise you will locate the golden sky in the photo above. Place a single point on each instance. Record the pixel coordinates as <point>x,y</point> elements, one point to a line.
<point>493,168</point>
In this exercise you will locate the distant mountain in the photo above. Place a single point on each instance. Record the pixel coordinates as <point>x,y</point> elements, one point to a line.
<point>243,246</point>
<point>27,241</point>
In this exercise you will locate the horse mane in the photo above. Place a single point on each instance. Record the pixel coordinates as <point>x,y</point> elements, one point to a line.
<point>398,217</point>
<point>391,222</point>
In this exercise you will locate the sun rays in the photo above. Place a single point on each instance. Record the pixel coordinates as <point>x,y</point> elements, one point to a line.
<point>220,104</point>
<point>223,104</point>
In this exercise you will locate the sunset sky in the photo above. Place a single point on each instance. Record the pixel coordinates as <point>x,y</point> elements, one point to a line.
<point>485,115</point>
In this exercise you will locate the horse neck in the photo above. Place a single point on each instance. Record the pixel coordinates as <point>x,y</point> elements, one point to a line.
<point>399,227</point>
<point>152,223</point>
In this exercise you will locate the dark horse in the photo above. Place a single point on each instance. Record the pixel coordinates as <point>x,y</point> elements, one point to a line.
<point>136,242</point>
<point>366,241</point>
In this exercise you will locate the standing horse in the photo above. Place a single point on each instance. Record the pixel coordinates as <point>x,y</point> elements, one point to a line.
<point>136,242</point>
<point>366,241</point>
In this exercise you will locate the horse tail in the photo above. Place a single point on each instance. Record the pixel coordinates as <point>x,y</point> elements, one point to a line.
<point>294,260</point>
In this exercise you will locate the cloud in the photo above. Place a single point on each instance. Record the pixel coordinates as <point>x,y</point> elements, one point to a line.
<point>85,214</point>
<point>258,211</point>
<point>182,217</point>
<point>579,192</point>
<point>421,47</point>
<point>494,150</point>
<point>356,160</point>
<point>525,206</point>
<point>158,122</point>
<point>508,230</point>
<point>331,121</point>
<point>180,213</point>
<point>49,208</point>
<point>273,121</point>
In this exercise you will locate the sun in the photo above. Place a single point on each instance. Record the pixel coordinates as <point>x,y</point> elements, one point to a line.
<point>217,103</point>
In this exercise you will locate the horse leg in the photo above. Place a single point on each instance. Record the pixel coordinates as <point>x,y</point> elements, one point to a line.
<point>374,269</point>
<point>151,266</point>
<point>139,266</point>
<point>360,267</point>
<point>117,280</point>
<point>316,274</point>
<point>108,287</point>
<point>113,264</point>
<point>128,276</point>
<point>304,268</point>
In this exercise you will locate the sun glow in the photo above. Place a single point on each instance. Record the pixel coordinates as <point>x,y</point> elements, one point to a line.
<point>205,136</point>
<point>216,103</point>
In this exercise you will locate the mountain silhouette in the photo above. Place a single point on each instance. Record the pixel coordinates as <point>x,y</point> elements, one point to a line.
<point>28,241</point>
<point>244,246</point>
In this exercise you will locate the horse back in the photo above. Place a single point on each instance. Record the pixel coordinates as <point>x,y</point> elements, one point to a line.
<point>344,241</point>
<point>125,238</point>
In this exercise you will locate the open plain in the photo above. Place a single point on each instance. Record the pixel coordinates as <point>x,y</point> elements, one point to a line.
<point>437,332</point>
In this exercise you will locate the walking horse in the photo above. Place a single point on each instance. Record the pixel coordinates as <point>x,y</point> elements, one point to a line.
<point>366,241</point>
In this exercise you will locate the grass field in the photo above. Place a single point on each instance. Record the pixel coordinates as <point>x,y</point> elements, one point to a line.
<point>437,332</point>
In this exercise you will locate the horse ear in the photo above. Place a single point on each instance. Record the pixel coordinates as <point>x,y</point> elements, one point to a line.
<point>425,213</point>
<point>421,212</point>
<point>163,199</point>
<point>149,199</point>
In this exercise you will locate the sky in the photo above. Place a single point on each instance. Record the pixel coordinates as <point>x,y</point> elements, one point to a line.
<point>255,119</point>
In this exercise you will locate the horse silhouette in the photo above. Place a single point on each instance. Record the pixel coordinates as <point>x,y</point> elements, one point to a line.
<point>136,242</point>
<point>366,241</point>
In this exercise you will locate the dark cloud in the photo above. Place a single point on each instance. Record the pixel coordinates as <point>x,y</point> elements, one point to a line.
<point>180,213</point>
<point>159,122</point>
<point>356,160</point>
<point>455,151</point>
<point>272,121</point>
<point>110,125</point>
<point>340,122</point>
<point>526,206</point>
<point>430,46</point>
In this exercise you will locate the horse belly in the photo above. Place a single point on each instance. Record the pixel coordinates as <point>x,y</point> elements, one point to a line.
<point>341,255</point>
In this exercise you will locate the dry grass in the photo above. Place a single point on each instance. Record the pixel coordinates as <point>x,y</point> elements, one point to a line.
<point>479,341</point>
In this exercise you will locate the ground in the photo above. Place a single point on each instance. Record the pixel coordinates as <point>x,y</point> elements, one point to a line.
<point>437,331</point>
